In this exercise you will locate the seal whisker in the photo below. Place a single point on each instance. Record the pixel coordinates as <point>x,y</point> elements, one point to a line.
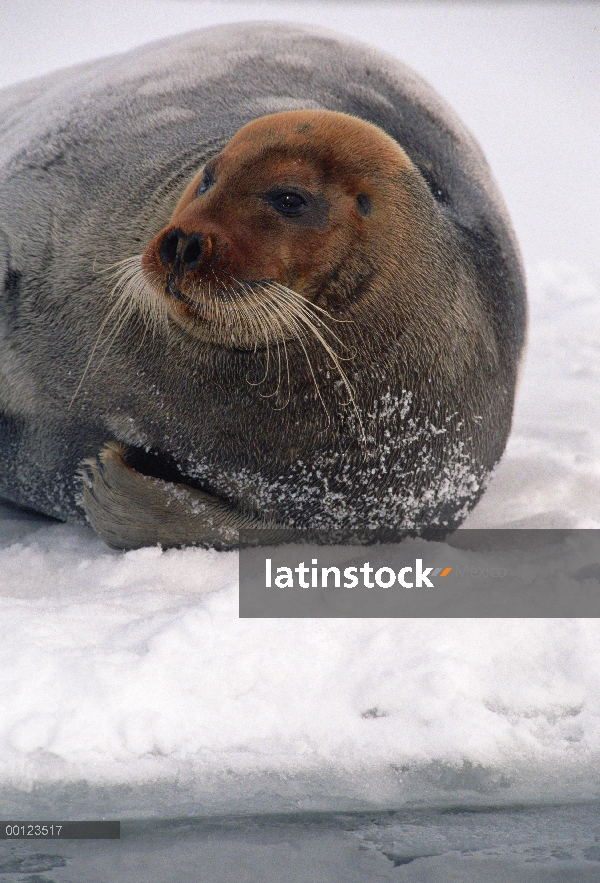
<point>303,315</point>
<point>273,325</point>
<point>114,309</point>
<point>276,324</point>
<point>279,286</point>
<point>257,306</point>
<point>91,356</point>
<point>236,309</point>
<point>295,323</point>
<point>113,269</point>
<point>308,307</point>
<point>154,309</point>
<point>128,311</point>
<point>248,310</point>
<point>131,293</point>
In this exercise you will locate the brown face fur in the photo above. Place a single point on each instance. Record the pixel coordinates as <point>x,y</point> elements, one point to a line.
<point>292,198</point>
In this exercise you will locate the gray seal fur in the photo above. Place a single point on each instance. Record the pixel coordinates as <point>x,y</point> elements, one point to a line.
<point>93,161</point>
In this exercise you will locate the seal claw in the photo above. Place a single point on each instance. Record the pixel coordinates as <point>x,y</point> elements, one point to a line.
<point>130,510</point>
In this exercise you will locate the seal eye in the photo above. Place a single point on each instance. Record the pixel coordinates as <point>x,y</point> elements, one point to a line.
<point>288,203</point>
<point>206,182</point>
<point>364,205</point>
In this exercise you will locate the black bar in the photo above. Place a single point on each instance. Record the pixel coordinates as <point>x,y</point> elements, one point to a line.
<point>20,830</point>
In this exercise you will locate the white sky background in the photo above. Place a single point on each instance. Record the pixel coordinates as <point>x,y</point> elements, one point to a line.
<point>134,667</point>
<point>525,77</point>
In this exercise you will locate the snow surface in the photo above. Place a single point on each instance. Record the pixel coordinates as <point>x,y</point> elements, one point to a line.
<point>128,684</point>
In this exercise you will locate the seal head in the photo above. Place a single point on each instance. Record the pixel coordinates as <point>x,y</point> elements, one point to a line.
<point>300,207</point>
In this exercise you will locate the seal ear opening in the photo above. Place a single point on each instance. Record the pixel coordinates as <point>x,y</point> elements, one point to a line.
<point>5,269</point>
<point>437,191</point>
<point>10,282</point>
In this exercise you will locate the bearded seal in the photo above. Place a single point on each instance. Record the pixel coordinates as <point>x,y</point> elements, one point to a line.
<point>257,275</point>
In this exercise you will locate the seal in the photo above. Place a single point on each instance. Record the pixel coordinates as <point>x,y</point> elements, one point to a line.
<point>249,289</point>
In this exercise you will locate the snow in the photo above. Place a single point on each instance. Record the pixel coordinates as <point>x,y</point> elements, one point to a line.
<point>128,684</point>
<point>550,473</point>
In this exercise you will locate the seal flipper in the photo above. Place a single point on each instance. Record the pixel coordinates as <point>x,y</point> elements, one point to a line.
<point>129,510</point>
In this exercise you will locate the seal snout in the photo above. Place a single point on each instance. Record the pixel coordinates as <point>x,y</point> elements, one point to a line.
<point>181,252</point>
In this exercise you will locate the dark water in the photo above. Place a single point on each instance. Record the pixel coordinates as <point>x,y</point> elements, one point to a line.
<point>513,845</point>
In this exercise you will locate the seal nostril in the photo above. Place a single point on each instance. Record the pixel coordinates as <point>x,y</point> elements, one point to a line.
<point>192,251</point>
<point>167,251</point>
